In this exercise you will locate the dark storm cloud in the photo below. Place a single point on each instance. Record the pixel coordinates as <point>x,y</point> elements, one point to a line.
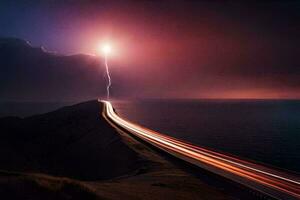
<point>174,48</point>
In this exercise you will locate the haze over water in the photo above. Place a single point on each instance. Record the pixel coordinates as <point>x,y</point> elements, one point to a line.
<point>266,131</point>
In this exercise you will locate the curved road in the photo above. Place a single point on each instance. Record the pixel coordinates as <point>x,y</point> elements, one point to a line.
<point>279,185</point>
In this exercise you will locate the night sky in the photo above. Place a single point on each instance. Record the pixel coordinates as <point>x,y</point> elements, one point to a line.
<point>176,49</point>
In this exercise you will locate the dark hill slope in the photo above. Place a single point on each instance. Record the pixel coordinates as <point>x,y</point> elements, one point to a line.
<point>67,154</point>
<point>73,141</point>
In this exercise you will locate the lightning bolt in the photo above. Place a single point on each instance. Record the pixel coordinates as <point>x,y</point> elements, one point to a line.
<point>108,77</point>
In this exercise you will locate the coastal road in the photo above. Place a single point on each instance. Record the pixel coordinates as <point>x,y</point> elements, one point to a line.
<point>274,183</point>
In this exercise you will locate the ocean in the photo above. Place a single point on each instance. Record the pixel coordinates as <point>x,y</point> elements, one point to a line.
<point>264,131</point>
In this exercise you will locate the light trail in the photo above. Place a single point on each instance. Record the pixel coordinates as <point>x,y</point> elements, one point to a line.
<point>280,185</point>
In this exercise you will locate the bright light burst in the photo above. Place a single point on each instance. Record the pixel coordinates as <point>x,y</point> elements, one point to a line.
<point>106,49</point>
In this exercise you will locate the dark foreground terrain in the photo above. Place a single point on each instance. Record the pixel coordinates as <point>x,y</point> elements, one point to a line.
<point>73,153</point>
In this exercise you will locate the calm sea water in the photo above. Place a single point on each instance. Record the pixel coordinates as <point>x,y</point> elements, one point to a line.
<point>264,131</point>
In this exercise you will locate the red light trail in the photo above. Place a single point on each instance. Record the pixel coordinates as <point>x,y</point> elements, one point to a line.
<point>264,179</point>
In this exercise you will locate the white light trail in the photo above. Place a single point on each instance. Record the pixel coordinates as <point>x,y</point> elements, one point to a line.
<point>261,178</point>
